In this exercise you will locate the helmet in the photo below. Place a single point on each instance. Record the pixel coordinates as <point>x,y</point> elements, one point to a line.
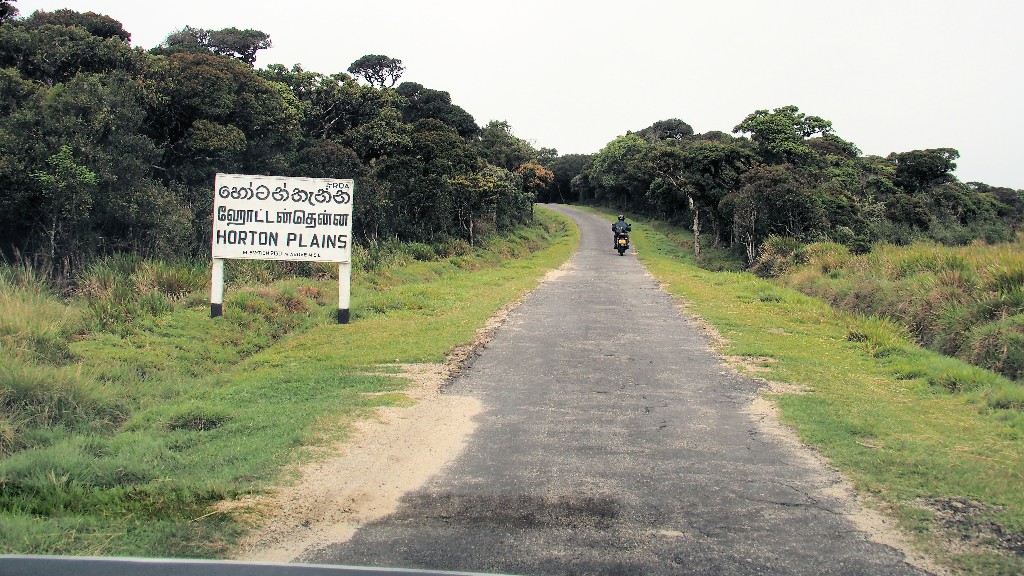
<point>621,217</point>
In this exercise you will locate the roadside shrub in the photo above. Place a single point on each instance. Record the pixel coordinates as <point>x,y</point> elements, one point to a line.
<point>455,247</point>
<point>291,299</point>
<point>197,418</point>
<point>1004,277</point>
<point>259,272</point>
<point>111,297</point>
<point>778,255</point>
<point>999,346</point>
<point>422,252</point>
<point>828,257</point>
<point>965,378</point>
<point>1005,398</point>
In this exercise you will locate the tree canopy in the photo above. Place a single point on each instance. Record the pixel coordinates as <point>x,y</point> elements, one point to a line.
<point>239,44</point>
<point>792,176</point>
<point>377,70</point>
<point>107,148</point>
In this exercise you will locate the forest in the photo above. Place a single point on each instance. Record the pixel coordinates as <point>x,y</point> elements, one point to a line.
<point>106,148</point>
<point>786,174</point>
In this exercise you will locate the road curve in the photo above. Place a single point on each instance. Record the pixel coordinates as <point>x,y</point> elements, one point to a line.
<point>613,441</point>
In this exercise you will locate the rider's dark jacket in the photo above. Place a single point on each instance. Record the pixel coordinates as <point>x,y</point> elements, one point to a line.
<point>620,226</point>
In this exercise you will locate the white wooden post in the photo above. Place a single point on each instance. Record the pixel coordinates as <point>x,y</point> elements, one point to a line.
<point>344,291</point>
<point>217,288</point>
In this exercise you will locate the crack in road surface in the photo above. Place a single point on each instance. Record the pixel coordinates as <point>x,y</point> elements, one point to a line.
<point>612,440</point>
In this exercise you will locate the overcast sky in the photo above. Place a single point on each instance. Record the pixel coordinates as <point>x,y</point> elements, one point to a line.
<point>891,75</point>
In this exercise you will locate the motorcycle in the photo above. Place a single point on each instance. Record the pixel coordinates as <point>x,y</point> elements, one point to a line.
<point>622,242</point>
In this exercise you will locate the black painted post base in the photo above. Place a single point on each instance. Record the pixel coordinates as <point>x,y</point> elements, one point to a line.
<point>216,310</point>
<point>343,316</point>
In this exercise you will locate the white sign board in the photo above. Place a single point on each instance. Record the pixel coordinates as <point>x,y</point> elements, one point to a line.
<point>280,218</point>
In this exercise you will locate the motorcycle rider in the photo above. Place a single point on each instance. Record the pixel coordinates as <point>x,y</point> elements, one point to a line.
<point>620,227</point>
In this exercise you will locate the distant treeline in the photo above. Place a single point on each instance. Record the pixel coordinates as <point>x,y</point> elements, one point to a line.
<point>792,177</point>
<point>106,148</point>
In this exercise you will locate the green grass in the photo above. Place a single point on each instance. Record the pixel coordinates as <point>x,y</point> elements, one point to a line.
<point>918,432</point>
<point>147,416</point>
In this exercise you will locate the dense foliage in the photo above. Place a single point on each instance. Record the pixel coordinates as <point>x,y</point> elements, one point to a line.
<point>787,174</point>
<point>107,148</point>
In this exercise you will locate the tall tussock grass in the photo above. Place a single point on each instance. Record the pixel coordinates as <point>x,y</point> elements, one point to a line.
<point>35,323</point>
<point>966,302</point>
<point>121,289</point>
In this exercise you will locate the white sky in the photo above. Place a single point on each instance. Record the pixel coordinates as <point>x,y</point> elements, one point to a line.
<point>892,76</point>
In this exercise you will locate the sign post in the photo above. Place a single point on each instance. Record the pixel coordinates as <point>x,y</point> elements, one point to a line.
<point>281,218</point>
<point>344,290</point>
<point>217,288</point>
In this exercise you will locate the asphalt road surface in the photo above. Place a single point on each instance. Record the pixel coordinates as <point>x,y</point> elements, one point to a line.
<point>613,441</point>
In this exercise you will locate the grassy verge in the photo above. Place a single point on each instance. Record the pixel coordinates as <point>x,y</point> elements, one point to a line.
<point>944,460</point>
<point>966,301</point>
<point>126,432</point>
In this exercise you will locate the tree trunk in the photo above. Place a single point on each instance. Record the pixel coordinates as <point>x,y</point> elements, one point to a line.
<point>751,249</point>
<point>696,228</point>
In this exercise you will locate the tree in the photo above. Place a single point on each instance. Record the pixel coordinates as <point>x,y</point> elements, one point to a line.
<point>772,200</point>
<point>671,129</point>
<point>67,189</point>
<point>53,54</point>
<point>497,144</point>
<point>418,103</point>
<point>781,133</point>
<point>619,174</point>
<point>704,171</point>
<point>383,136</point>
<point>377,70</point>
<point>96,24</point>
<point>482,199</point>
<point>330,105</point>
<point>536,179</point>
<point>918,170</point>
<point>241,45</point>
<point>7,10</point>
<point>14,90</point>
<point>564,168</point>
<point>210,114</point>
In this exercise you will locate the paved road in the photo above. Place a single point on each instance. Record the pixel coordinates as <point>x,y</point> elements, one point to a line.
<point>614,442</point>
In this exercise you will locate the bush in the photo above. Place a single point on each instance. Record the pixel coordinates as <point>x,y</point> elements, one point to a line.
<point>778,255</point>
<point>828,257</point>
<point>999,346</point>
